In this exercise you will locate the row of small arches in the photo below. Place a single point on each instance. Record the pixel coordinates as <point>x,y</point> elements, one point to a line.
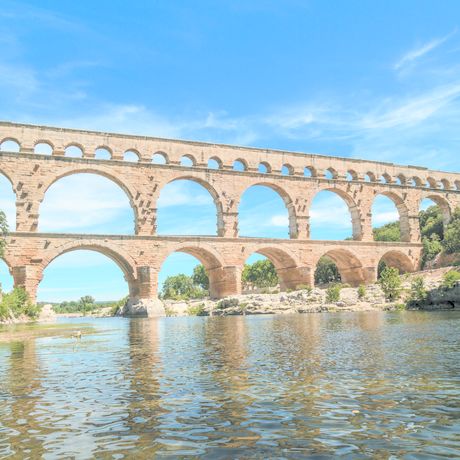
<point>161,158</point>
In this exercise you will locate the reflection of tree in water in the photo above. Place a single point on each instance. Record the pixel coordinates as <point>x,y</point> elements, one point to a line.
<point>21,430</point>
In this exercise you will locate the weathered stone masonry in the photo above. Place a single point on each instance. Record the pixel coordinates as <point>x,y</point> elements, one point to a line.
<point>141,256</point>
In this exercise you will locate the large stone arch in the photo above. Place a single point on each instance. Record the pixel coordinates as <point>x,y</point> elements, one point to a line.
<point>403,211</point>
<point>123,260</point>
<point>211,190</point>
<point>353,209</point>
<point>287,200</point>
<point>98,172</point>
<point>212,262</point>
<point>399,260</point>
<point>349,265</point>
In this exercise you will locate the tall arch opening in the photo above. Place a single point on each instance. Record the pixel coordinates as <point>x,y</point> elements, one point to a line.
<point>190,273</point>
<point>90,272</point>
<point>266,211</point>
<point>390,221</point>
<point>86,203</point>
<point>334,216</point>
<point>268,269</point>
<point>187,206</point>
<point>348,266</point>
<point>8,202</point>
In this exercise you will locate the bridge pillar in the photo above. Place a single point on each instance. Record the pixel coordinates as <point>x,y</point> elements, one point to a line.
<point>28,277</point>
<point>303,228</point>
<point>228,227</point>
<point>144,286</point>
<point>294,277</point>
<point>366,226</point>
<point>224,281</point>
<point>27,211</point>
<point>414,228</point>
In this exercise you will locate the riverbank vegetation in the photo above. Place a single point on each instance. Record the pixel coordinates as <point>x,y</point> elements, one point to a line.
<point>435,238</point>
<point>16,304</point>
<point>87,305</point>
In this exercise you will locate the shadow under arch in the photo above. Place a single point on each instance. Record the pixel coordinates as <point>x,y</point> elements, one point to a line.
<point>118,181</point>
<point>443,205</point>
<point>287,200</point>
<point>353,209</point>
<point>287,268</point>
<point>215,197</point>
<point>209,258</point>
<point>349,266</point>
<point>123,261</point>
<point>399,260</point>
<point>404,226</point>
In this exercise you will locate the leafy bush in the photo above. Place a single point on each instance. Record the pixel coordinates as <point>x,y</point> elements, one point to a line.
<point>390,282</point>
<point>450,279</point>
<point>17,303</point>
<point>333,293</point>
<point>196,310</point>
<point>326,271</point>
<point>361,291</point>
<point>418,292</point>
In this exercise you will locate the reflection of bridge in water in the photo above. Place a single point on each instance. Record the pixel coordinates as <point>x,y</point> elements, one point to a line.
<point>226,172</point>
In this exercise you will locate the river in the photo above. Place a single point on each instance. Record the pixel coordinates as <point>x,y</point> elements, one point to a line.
<point>357,385</point>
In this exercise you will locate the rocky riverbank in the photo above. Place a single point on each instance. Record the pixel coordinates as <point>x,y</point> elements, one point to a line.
<point>315,300</point>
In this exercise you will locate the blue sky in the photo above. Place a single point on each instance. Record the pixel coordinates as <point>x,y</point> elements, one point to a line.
<point>376,80</point>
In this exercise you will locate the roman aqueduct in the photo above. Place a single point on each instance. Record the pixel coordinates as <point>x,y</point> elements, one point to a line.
<point>296,177</point>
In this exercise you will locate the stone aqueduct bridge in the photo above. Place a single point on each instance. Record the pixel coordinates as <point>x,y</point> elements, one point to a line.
<point>141,256</point>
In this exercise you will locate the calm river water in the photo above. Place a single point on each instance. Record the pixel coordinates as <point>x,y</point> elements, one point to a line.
<point>358,385</point>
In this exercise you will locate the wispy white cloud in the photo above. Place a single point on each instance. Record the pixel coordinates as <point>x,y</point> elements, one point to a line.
<point>421,51</point>
<point>70,205</point>
<point>279,220</point>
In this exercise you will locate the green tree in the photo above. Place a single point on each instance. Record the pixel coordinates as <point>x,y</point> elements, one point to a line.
<point>181,287</point>
<point>326,271</point>
<point>431,222</point>
<point>451,241</point>
<point>333,293</point>
<point>390,282</point>
<point>418,292</point>
<point>200,277</point>
<point>432,246</point>
<point>387,232</point>
<point>450,279</point>
<point>260,274</point>
<point>86,303</point>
